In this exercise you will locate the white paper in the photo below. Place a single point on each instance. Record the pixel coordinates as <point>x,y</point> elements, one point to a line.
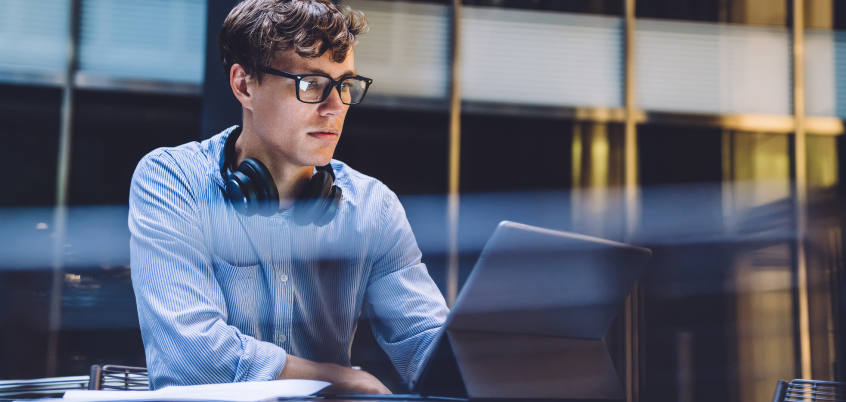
<point>237,392</point>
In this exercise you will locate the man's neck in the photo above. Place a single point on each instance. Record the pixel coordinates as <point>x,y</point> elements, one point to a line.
<point>290,178</point>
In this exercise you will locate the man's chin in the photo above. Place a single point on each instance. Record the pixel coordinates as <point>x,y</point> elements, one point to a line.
<point>322,160</point>
<point>312,156</point>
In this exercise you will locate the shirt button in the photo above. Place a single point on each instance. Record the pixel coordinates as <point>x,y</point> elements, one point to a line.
<point>283,278</point>
<point>282,338</point>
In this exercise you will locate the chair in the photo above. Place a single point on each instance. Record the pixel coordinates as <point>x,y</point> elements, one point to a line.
<point>810,391</point>
<point>122,378</point>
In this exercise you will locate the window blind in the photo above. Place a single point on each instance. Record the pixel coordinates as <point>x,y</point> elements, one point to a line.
<point>406,50</point>
<point>541,58</point>
<point>712,68</point>
<point>143,39</point>
<point>33,38</point>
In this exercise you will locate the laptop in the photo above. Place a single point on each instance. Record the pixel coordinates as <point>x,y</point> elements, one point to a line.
<point>530,320</point>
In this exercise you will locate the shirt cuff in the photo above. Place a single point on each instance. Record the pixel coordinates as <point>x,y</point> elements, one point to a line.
<point>266,362</point>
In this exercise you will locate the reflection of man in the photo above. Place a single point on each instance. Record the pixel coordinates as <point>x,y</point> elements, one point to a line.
<point>224,297</point>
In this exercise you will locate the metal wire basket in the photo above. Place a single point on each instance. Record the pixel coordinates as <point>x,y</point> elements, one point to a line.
<point>108,377</point>
<point>810,391</point>
<point>41,387</point>
<point>122,378</point>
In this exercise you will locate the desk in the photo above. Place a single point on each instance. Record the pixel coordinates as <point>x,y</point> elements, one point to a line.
<point>349,398</point>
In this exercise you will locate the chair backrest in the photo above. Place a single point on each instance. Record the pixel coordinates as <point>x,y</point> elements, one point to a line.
<point>810,391</point>
<point>122,378</point>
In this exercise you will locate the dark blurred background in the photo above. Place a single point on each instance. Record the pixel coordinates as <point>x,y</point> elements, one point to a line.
<point>543,139</point>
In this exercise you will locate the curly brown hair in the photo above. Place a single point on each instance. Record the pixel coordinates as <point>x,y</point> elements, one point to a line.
<point>255,31</point>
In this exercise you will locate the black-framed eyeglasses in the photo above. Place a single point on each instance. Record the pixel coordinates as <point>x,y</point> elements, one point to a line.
<point>315,88</point>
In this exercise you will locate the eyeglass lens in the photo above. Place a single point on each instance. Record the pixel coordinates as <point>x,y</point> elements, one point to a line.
<point>314,89</point>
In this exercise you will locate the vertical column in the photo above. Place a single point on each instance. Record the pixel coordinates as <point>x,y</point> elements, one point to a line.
<point>801,185</point>
<point>62,177</point>
<point>454,154</point>
<point>220,108</point>
<point>631,122</point>
<point>757,176</point>
<point>631,202</point>
<point>598,171</point>
<point>823,254</point>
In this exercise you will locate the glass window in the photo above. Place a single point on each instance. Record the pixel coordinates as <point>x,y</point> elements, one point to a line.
<point>406,50</point>
<point>712,68</point>
<point>541,58</point>
<point>607,7</point>
<point>33,40</point>
<point>113,131</point>
<point>142,39</point>
<point>29,127</point>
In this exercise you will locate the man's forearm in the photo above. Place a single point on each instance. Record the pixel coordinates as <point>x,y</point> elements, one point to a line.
<point>343,379</point>
<point>299,368</point>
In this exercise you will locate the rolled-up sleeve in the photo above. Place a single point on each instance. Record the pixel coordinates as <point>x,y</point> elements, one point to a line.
<point>181,307</point>
<point>406,307</point>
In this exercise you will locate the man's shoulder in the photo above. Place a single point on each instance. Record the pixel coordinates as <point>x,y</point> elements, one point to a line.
<point>358,184</point>
<point>182,153</point>
<point>191,159</point>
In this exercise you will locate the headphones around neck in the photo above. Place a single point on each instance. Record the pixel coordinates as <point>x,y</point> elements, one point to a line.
<point>251,189</point>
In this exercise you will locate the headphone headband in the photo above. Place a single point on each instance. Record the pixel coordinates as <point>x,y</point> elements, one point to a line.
<point>229,151</point>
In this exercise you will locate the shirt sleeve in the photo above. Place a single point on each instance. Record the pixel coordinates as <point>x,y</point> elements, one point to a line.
<point>181,308</point>
<point>406,308</point>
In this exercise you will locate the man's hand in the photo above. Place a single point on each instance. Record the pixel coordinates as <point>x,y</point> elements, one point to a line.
<point>356,382</point>
<point>344,380</point>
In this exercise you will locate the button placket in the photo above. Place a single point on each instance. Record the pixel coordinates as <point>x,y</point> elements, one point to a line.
<point>287,265</point>
<point>280,293</point>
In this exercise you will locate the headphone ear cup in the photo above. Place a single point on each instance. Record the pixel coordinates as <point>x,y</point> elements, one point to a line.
<point>267,196</point>
<point>330,206</point>
<point>312,197</point>
<point>241,194</point>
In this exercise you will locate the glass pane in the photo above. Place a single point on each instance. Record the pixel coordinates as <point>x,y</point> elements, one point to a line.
<point>541,58</point>
<point>114,130</point>
<point>143,39</point>
<point>606,7</point>
<point>712,68</point>
<point>406,50</point>
<point>33,37</point>
<point>29,128</point>
<point>825,72</point>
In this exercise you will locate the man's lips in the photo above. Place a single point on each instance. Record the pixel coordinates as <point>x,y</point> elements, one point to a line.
<point>326,134</point>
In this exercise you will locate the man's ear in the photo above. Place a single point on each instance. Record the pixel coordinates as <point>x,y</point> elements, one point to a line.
<point>238,80</point>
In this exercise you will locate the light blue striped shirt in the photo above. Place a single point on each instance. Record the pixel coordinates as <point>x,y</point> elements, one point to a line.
<point>223,297</point>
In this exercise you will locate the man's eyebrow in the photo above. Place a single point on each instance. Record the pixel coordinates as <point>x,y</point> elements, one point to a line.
<point>348,73</point>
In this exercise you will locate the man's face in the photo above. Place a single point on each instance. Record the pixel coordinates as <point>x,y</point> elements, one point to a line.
<point>294,132</point>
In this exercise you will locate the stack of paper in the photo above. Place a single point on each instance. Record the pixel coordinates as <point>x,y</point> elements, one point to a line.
<point>236,392</point>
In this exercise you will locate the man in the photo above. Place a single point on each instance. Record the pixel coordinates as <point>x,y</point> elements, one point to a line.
<point>226,297</point>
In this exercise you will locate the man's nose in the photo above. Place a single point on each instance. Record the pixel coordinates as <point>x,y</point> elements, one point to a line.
<point>332,106</point>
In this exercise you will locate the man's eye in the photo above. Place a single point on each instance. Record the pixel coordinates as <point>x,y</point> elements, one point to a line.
<point>306,85</point>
